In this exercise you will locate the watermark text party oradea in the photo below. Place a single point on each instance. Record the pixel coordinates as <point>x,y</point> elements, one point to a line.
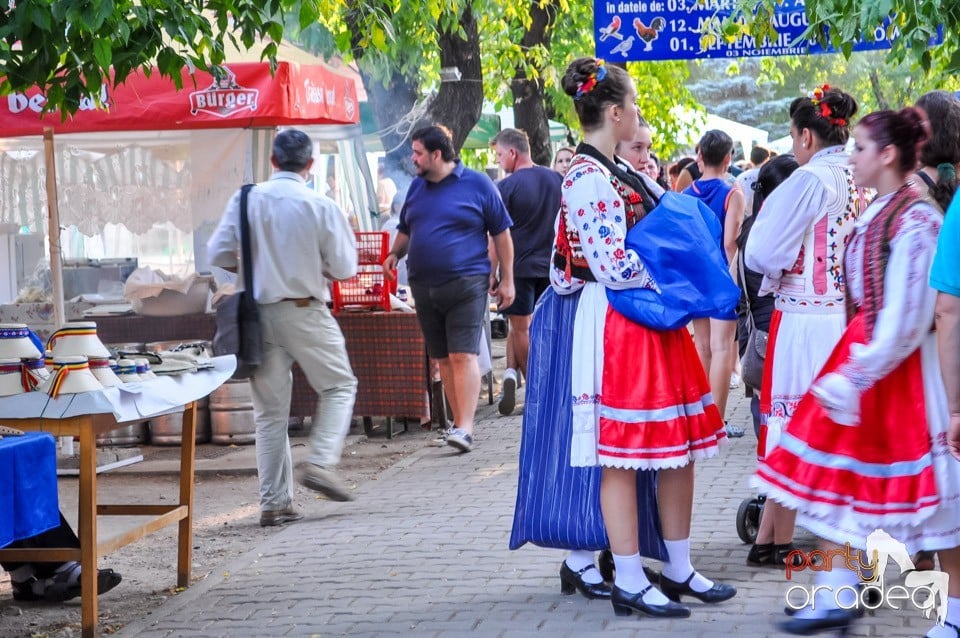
<point>870,565</point>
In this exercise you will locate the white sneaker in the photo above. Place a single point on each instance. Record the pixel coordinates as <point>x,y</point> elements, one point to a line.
<point>508,394</point>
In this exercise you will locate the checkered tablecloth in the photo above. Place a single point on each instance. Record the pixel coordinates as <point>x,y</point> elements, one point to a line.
<point>386,350</point>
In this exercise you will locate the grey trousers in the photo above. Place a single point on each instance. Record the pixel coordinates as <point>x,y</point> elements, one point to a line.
<point>310,336</point>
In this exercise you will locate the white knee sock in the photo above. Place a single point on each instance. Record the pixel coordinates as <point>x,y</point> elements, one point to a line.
<point>679,568</point>
<point>578,559</point>
<point>631,579</point>
<point>953,617</point>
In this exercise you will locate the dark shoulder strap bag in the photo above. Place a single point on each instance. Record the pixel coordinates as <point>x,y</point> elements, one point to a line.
<point>238,318</point>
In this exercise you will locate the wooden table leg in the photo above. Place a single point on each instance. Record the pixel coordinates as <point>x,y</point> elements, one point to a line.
<point>188,444</point>
<point>88,528</point>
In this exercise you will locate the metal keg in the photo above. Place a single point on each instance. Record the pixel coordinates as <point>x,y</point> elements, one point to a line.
<point>231,414</point>
<point>168,429</point>
<point>129,436</point>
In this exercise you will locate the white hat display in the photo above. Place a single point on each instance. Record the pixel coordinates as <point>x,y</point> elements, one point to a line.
<point>11,377</point>
<point>48,360</point>
<point>143,369</point>
<point>71,375</point>
<point>100,367</point>
<point>127,371</point>
<point>36,371</point>
<point>15,342</point>
<point>77,338</point>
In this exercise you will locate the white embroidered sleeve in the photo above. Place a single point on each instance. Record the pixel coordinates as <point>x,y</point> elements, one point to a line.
<point>597,212</point>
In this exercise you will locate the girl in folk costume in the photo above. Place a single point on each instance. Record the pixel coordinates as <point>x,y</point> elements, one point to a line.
<point>649,408</point>
<point>936,179</point>
<point>866,448</point>
<point>798,244</point>
<point>558,505</point>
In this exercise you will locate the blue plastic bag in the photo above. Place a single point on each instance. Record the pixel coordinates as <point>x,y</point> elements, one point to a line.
<point>679,243</point>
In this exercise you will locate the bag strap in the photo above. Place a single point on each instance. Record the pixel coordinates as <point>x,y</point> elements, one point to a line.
<point>246,258</point>
<point>746,293</point>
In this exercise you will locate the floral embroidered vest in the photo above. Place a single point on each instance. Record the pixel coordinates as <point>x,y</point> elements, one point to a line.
<point>815,284</point>
<point>568,254</point>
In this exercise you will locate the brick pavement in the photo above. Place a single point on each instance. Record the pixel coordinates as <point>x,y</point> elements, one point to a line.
<point>423,552</point>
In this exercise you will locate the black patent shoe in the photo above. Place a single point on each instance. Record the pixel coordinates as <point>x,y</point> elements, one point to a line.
<point>571,581</point>
<point>716,594</point>
<point>625,603</point>
<point>838,620</point>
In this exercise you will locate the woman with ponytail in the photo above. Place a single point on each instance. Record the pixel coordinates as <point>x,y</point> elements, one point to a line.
<point>939,157</point>
<point>866,447</point>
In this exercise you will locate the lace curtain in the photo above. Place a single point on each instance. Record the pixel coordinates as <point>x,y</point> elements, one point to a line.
<point>134,179</point>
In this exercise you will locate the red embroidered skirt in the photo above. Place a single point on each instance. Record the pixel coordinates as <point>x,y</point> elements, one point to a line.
<point>656,408</point>
<point>880,471</point>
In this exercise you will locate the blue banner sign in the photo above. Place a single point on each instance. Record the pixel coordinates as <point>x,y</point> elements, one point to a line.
<point>638,30</point>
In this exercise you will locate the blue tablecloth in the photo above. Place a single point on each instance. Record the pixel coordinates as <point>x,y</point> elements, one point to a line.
<point>29,503</point>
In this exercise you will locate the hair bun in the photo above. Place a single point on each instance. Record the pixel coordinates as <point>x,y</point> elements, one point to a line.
<point>841,104</point>
<point>577,73</point>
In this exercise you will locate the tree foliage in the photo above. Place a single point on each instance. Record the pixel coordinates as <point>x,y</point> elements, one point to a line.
<point>911,26</point>
<point>69,46</point>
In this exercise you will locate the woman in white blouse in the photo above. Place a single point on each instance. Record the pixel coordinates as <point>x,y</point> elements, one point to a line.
<point>798,245</point>
<point>866,449</point>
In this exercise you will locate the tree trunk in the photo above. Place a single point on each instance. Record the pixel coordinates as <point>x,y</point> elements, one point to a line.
<point>458,104</point>
<point>882,102</point>
<point>529,108</point>
<point>390,103</point>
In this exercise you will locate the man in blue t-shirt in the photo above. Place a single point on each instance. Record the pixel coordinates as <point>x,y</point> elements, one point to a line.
<point>531,194</point>
<point>444,226</point>
<point>945,277</point>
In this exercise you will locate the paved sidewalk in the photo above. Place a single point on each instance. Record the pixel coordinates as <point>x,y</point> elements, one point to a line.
<point>423,552</point>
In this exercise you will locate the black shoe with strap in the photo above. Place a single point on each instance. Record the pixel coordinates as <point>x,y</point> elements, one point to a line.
<point>625,603</point>
<point>716,594</point>
<point>571,581</point>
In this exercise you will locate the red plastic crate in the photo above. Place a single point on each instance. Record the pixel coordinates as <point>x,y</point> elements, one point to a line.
<point>366,290</point>
<point>372,247</point>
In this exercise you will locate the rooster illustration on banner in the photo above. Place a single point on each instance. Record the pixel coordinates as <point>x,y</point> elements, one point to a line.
<point>647,33</point>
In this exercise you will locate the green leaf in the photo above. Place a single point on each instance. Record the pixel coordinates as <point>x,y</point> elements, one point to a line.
<point>103,53</point>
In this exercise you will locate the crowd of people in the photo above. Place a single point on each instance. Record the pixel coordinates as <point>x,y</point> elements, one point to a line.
<point>856,402</point>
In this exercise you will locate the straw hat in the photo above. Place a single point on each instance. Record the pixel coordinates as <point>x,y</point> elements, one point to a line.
<point>36,370</point>
<point>71,376</point>
<point>15,342</point>
<point>100,367</point>
<point>77,338</point>
<point>11,377</point>
<point>127,371</point>
<point>143,369</point>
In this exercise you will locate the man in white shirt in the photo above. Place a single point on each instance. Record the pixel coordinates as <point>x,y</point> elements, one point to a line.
<point>298,239</point>
<point>745,180</point>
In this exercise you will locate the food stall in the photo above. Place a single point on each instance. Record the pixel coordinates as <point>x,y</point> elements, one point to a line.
<point>159,155</point>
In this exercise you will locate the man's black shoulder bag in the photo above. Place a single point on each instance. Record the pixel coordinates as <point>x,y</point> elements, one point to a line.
<point>238,319</point>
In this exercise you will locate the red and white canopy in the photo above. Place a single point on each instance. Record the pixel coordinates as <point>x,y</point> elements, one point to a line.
<point>248,96</point>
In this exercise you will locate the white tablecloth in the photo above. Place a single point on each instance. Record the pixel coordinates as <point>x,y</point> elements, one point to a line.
<point>127,402</point>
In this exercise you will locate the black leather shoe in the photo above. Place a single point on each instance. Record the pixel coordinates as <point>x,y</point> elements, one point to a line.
<point>625,603</point>
<point>60,588</point>
<point>838,620</point>
<point>760,555</point>
<point>716,594</point>
<point>571,581</point>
